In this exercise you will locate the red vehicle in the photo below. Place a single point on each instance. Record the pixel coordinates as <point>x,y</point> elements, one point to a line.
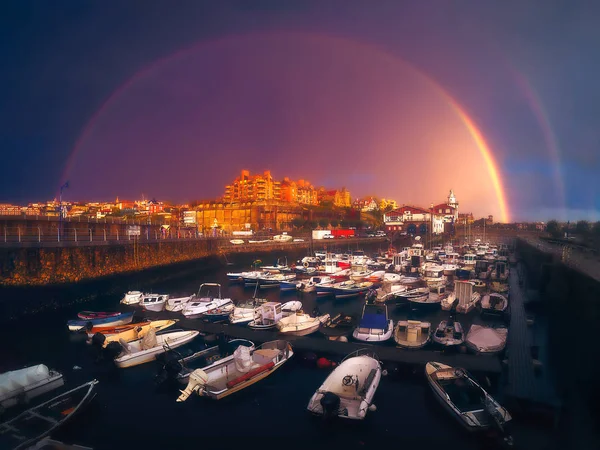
<point>342,233</point>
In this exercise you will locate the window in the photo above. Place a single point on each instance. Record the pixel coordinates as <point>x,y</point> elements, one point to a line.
<point>447,210</point>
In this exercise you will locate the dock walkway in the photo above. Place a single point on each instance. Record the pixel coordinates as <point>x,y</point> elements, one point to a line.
<point>320,346</point>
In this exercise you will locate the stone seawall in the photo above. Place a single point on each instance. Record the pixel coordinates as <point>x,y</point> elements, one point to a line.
<point>571,301</point>
<point>31,266</point>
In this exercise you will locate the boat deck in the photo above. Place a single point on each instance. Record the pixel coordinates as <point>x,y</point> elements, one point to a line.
<point>525,385</point>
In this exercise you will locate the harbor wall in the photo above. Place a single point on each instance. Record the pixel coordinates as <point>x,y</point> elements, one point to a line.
<point>571,301</point>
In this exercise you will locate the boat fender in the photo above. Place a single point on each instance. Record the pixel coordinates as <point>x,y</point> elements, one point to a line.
<point>384,373</point>
<point>305,264</point>
<point>372,408</point>
<point>324,363</point>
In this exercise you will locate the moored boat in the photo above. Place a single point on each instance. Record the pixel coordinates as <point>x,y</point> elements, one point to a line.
<point>243,312</point>
<point>22,385</point>
<point>412,333</point>
<point>350,288</point>
<point>154,302</point>
<point>486,340</point>
<point>81,324</point>
<point>300,324</point>
<point>493,304</point>
<point>462,396</point>
<point>88,315</point>
<point>374,325</point>
<point>231,375</point>
<point>338,327</point>
<point>109,330</point>
<point>38,422</point>
<point>348,391</point>
<point>208,298</point>
<point>136,332</point>
<point>132,298</point>
<point>449,333</point>
<point>143,350</point>
<point>176,304</point>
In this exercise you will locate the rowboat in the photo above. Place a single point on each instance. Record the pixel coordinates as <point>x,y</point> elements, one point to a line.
<point>87,315</point>
<point>136,332</point>
<point>79,324</point>
<point>38,422</point>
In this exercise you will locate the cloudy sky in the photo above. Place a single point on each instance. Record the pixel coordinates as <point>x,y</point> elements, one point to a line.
<point>172,99</point>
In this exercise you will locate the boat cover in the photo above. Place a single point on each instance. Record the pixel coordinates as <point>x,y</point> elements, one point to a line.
<point>377,321</point>
<point>487,339</point>
<point>242,359</point>
<point>17,379</point>
<point>149,339</point>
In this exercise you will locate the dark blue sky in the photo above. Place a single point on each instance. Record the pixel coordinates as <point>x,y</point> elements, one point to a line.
<point>60,61</point>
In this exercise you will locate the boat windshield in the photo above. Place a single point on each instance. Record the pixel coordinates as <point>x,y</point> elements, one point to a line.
<point>465,395</point>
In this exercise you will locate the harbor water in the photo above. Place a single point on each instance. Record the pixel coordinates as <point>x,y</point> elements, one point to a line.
<point>131,411</point>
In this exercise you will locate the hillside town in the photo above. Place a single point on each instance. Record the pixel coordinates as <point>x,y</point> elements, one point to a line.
<point>259,202</point>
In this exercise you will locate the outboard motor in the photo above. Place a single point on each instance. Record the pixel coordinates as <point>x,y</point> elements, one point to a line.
<point>170,367</point>
<point>330,403</point>
<point>113,349</point>
<point>98,340</point>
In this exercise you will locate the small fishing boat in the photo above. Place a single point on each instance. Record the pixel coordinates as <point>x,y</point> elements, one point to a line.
<point>493,304</point>
<point>391,278</point>
<point>136,332</point>
<point>348,391</point>
<point>268,314</point>
<point>231,375</point>
<point>30,426</point>
<point>88,315</point>
<point>338,327</point>
<point>320,284</point>
<point>486,340</point>
<point>412,333</point>
<point>374,325</point>
<point>449,333</point>
<point>129,354</point>
<point>219,313</point>
<point>449,269</point>
<point>464,295</point>
<point>20,386</point>
<point>461,395</point>
<point>178,367</point>
<point>243,313</point>
<point>154,302</point>
<point>109,330</point>
<point>208,298</point>
<point>415,295</point>
<point>300,324</point>
<point>81,324</point>
<point>350,288</point>
<point>177,304</point>
<point>132,298</point>
<point>388,292</point>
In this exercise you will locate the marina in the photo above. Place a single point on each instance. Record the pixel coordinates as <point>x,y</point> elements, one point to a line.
<point>503,376</point>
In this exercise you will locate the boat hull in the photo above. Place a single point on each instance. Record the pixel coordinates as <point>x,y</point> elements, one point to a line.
<point>25,394</point>
<point>374,334</point>
<point>79,324</point>
<point>145,356</point>
<point>154,307</point>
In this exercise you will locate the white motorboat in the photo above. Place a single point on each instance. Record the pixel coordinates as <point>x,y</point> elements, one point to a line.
<point>393,278</point>
<point>412,333</point>
<point>300,324</point>
<point>348,391</point>
<point>433,274</point>
<point>22,385</point>
<point>449,333</point>
<point>145,349</point>
<point>132,298</point>
<point>207,299</point>
<point>374,325</point>
<point>268,314</point>
<point>243,313</point>
<point>178,303</point>
<point>377,276</point>
<point>388,292</point>
<point>486,340</point>
<point>154,302</point>
<point>466,400</point>
<point>232,374</point>
<point>449,269</point>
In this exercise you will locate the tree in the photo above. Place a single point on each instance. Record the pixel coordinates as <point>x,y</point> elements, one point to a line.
<point>553,228</point>
<point>311,224</point>
<point>323,223</point>
<point>582,228</point>
<point>334,223</point>
<point>297,222</point>
<point>595,229</point>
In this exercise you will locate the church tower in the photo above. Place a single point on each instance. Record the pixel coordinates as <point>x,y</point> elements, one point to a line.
<point>452,202</point>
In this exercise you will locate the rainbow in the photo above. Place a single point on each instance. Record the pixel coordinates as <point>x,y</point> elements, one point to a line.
<point>475,133</point>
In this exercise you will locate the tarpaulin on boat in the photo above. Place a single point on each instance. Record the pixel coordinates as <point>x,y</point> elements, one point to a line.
<point>378,321</point>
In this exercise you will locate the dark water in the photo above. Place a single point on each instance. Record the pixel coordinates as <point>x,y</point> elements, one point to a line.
<point>131,412</point>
